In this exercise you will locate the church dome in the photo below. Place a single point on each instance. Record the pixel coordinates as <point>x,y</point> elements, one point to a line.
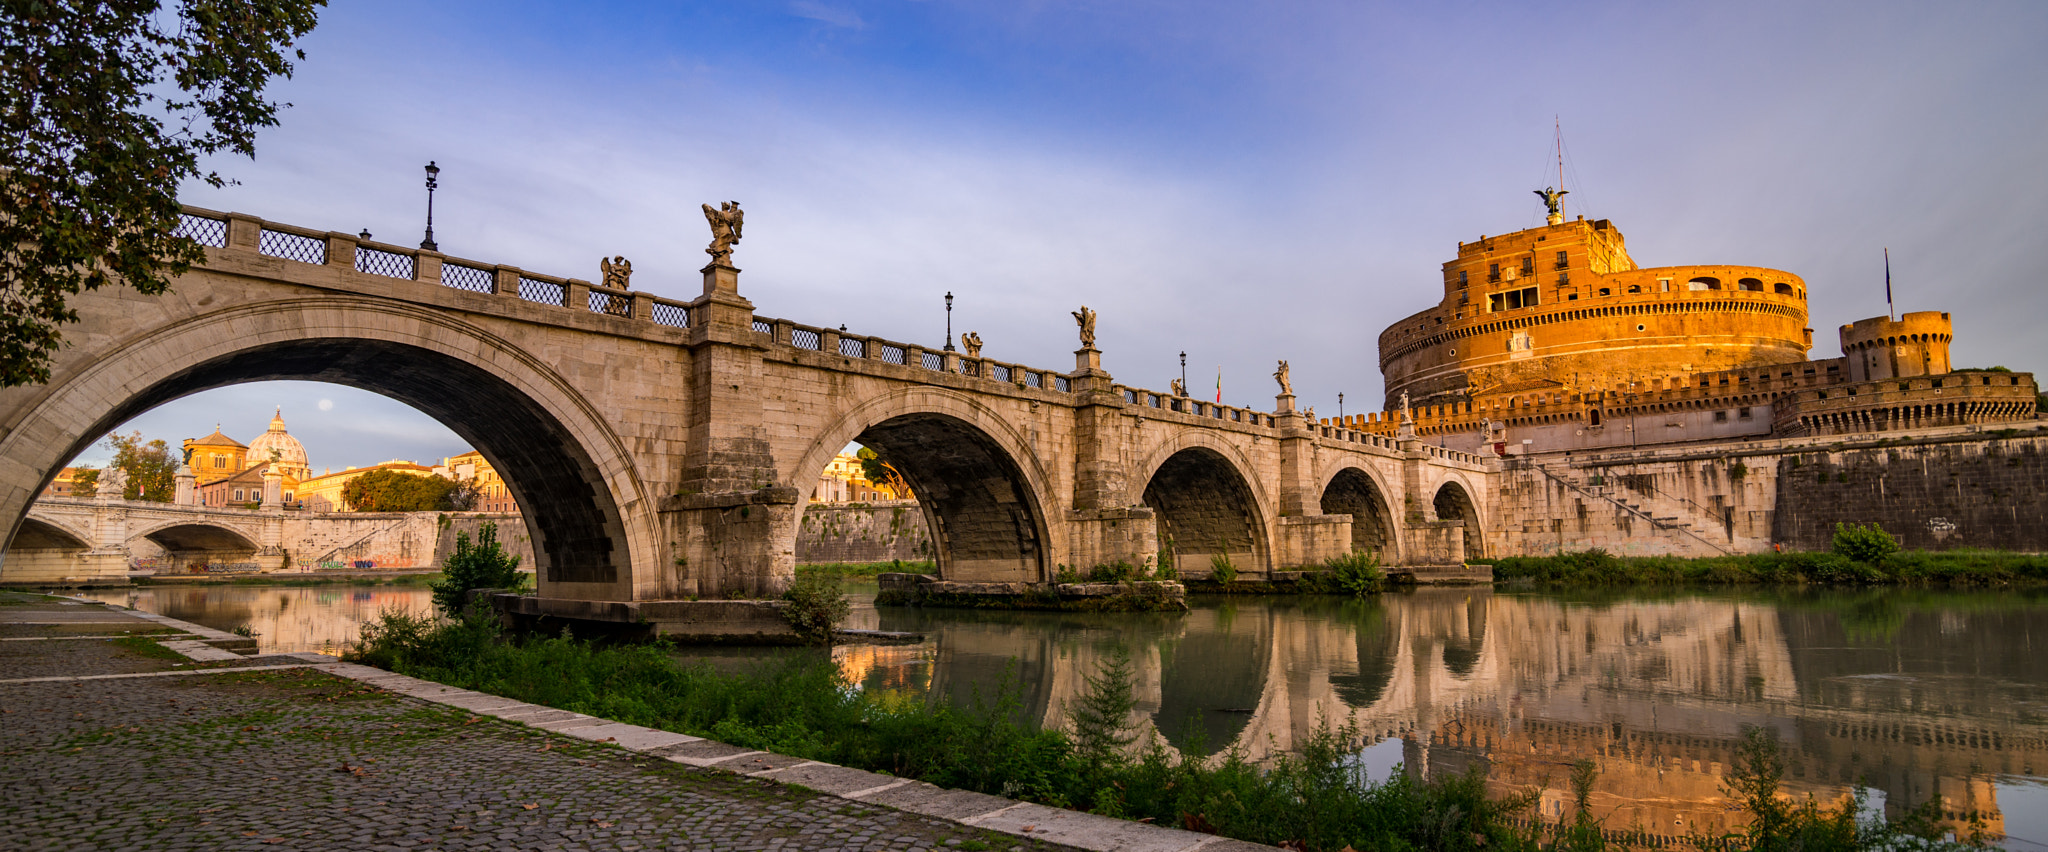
<point>289,454</point>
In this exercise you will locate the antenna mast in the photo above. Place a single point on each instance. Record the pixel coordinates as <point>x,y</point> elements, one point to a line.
<point>1558,125</point>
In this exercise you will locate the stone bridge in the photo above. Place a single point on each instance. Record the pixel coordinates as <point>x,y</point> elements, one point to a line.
<point>660,448</point>
<point>66,537</point>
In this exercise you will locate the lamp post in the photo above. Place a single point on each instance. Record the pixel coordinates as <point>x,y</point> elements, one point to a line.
<point>1183,373</point>
<point>433,172</point>
<point>1340,406</point>
<point>949,320</point>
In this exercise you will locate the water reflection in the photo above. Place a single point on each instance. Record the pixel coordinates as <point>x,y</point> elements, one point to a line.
<point>286,619</point>
<point>1915,694</point>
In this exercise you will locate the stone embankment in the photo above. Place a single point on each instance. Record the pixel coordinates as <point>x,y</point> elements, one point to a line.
<point>124,730</point>
<point>929,590</point>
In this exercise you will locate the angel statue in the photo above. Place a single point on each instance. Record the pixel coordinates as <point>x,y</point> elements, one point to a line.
<point>113,483</point>
<point>1281,376</point>
<point>1404,406</point>
<point>1178,388</point>
<point>1552,198</point>
<point>972,343</point>
<point>725,229</point>
<point>618,271</point>
<point>1086,318</point>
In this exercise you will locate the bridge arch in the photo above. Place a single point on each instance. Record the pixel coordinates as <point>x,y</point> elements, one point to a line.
<point>1205,496</point>
<point>1360,489</point>
<point>49,534</point>
<point>558,457</point>
<point>983,491</point>
<point>1454,500</point>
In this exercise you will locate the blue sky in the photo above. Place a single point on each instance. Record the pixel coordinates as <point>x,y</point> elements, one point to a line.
<point>1246,182</point>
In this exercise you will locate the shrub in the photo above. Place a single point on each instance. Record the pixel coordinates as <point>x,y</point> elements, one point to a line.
<point>1221,569</point>
<point>1356,573</point>
<point>817,604</point>
<point>1866,544</point>
<point>484,565</point>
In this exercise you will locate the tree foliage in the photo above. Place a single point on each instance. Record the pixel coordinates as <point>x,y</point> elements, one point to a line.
<point>881,473</point>
<point>483,565</point>
<point>399,491</point>
<point>107,106</point>
<point>152,468</point>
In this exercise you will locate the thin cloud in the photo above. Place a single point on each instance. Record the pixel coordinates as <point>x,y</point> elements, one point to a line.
<point>826,14</point>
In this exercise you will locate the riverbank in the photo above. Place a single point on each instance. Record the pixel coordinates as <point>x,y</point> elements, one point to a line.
<point>1598,568</point>
<point>114,741</point>
<point>1317,797</point>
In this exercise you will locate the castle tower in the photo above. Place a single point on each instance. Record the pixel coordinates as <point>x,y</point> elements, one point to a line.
<point>1915,344</point>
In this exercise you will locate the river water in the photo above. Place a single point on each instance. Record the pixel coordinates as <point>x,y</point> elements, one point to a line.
<point>1912,693</point>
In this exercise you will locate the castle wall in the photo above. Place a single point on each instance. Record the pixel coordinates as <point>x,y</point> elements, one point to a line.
<point>1936,489</point>
<point>863,532</point>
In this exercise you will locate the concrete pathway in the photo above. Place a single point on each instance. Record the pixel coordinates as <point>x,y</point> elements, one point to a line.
<point>125,730</point>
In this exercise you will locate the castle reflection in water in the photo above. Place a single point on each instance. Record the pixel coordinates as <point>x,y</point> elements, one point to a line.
<point>1912,694</point>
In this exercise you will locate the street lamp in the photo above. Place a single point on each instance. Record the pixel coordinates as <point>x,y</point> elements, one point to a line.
<point>1340,406</point>
<point>949,320</point>
<point>433,171</point>
<point>1183,373</point>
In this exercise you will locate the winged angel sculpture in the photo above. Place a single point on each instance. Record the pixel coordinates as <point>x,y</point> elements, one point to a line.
<point>725,222</point>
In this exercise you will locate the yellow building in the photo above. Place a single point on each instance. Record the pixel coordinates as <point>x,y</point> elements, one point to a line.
<point>214,457</point>
<point>843,481</point>
<point>491,493</point>
<point>323,493</point>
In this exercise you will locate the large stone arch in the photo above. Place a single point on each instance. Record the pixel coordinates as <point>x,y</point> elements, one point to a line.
<point>196,534</point>
<point>984,494</point>
<point>586,511</point>
<point>1203,492</point>
<point>49,534</point>
<point>1360,489</point>
<point>1454,500</point>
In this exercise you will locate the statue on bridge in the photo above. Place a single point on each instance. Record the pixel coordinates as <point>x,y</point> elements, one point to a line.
<point>113,483</point>
<point>618,271</point>
<point>1086,318</point>
<point>972,343</point>
<point>725,222</point>
<point>1281,376</point>
<point>1179,389</point>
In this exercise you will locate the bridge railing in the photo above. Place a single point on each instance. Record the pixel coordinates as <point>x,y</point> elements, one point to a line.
<point>332,248</point>
<point>1354,436</point>
<point>1187,405</point>
<point>798,336</point>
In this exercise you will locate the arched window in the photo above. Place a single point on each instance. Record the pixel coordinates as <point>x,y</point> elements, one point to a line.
<point>1704,282</point>
<point>1750,284</point>
<point>1782,288</point>
<point>1635,288</point>
<point>1593,417</point>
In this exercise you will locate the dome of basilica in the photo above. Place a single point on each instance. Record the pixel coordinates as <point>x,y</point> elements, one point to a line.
<point>289,454</point>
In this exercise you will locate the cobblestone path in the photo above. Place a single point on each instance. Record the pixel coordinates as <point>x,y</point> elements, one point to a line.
<point>266,754</point>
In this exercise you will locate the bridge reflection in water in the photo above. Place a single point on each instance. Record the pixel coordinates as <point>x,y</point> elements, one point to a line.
<point>1914,694</point>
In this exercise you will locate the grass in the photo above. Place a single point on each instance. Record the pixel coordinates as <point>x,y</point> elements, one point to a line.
<point>1945,568</point>
<point>147,648</point>
<point>1317,798</point>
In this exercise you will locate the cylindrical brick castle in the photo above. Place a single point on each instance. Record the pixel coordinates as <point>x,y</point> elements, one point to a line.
<point>1562,308</point>
<point>1915,344</point>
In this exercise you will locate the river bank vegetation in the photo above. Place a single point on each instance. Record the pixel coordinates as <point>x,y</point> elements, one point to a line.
<point>1319,798</point>
<point>1860,556</point>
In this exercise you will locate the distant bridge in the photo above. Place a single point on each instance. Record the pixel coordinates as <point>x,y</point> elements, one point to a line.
<point>660,448</point>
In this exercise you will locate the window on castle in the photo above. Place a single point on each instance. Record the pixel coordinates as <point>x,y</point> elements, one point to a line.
<point>1493,272</point>
<point>1528,266</point>
<point>1742,414</point>
<point>1562,261</point>
<point>1704,283</point>
<point>1635,288</point>
<point>1462,278</point>
<point>1720,417</point>
<point>1663,285</point>
<point>1606,292</point>
<point>1751,285</point>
